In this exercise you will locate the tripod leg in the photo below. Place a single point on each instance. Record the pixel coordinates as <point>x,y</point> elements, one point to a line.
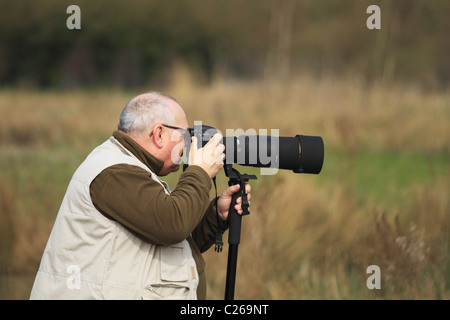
<point>234,237</point>
<point>234,222</point>
<point>231,271</point>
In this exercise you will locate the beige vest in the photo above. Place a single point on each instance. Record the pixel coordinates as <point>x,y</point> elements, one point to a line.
<point>89,256</point>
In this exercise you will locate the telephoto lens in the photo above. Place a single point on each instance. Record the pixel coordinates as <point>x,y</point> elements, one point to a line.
<point>301,154</point>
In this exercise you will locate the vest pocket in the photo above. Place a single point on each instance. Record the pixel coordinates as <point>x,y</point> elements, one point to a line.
<point>173,263</point>
<point>174,281</point>
<point>166,291</point>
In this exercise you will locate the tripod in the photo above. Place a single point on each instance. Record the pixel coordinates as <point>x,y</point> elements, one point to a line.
<point>235,221</point>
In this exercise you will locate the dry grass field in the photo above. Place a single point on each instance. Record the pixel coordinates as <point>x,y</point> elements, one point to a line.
<point>382,197</point>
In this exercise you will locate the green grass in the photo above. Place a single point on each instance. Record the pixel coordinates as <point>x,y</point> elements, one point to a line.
<point>384,177</point>
<point>388,177</point>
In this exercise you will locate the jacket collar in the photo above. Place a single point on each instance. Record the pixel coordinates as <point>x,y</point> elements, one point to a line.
<point>143,155</point>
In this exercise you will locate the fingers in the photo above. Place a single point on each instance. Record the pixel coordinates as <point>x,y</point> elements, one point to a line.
<point>235,188</point>
<point>239,200</point>
<point>216,148</point>
<point>231,190</point>
<point>223,204</point>
<point>210,157</point>
<point>215,139</point>
<point>213,147</point>
<point>238,206</point>
<point>219,150</point>
<point>213,142</point>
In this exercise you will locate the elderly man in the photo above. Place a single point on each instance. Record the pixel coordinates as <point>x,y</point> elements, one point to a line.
<point>121,232</point>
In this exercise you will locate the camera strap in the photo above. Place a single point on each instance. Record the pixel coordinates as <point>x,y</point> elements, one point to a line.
<point>221,225</point>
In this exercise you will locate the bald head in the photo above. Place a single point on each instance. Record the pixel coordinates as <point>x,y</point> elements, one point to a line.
<point>146,110</point>
<point>154,120</point>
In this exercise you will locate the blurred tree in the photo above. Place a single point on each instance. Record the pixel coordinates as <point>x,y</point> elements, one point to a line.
<point>280,38</point>
<point>129,43</point>
<point>78,67</point>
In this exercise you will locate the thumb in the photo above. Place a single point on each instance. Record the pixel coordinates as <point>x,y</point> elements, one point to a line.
<point>194,143</point>
<point>192,149</point>
<point>232,189</point>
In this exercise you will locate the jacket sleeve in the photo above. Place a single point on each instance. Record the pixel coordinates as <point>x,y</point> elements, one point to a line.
<point>204,234</point>
<point>129,195</point>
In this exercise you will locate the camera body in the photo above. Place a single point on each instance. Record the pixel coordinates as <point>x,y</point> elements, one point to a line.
<point>203,133</point>
<point>301,154</point>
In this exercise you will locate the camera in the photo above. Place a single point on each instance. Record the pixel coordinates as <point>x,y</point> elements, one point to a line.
<point>301,154</point>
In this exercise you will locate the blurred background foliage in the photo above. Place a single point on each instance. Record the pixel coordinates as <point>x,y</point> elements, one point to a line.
<point>134,43</point>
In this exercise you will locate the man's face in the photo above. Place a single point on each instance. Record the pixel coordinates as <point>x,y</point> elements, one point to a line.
<point>174,148</point>
<point>174,142</point>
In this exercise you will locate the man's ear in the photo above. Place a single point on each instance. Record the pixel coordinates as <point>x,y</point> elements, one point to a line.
<point>157,136</point>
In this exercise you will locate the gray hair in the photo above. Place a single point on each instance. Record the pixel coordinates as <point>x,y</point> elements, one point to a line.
<point>145,111</point>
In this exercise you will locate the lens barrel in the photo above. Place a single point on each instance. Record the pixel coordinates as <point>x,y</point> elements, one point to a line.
<point>301,154</point>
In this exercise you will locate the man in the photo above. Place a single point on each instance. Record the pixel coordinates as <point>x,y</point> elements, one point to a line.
<point>121,232</point>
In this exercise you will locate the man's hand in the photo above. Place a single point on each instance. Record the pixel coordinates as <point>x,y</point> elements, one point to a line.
<point>224,201</point>
<point>210,157</point>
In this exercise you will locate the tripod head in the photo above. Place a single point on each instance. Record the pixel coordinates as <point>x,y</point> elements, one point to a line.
<point>235,177</point>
